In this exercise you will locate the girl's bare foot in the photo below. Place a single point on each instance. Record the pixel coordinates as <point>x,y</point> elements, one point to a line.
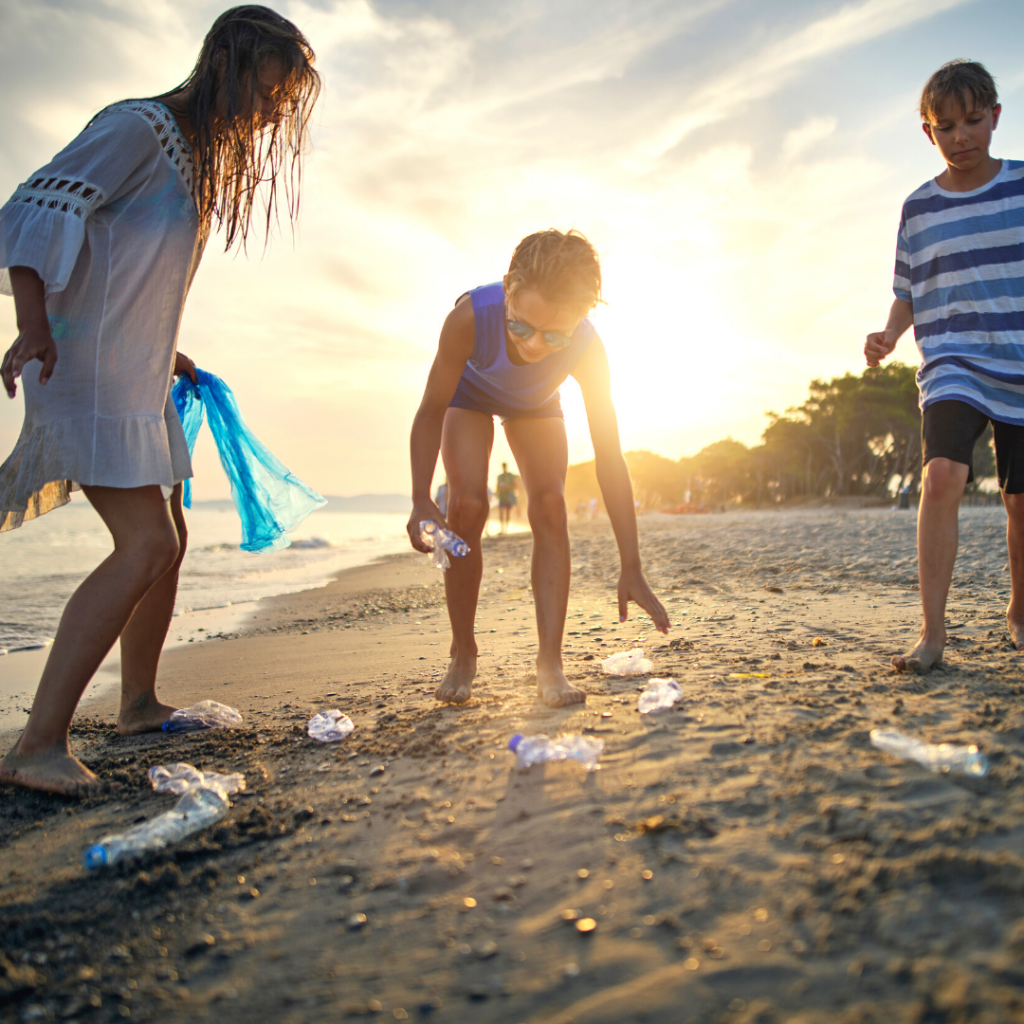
<point>555,690</point>
<point>457,685</point>
<point>52,771</point>
<point>144,714</point>
<point>922,659</point>
<point>1016,633</point>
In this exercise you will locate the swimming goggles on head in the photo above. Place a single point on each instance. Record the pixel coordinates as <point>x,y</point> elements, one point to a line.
<point>553,339</point>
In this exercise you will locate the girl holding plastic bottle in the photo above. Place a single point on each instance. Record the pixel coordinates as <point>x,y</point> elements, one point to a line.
<point>100,247</point>
<point>505,350</point>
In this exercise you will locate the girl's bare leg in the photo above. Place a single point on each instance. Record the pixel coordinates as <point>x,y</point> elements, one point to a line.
<point>1015,546</point>
<point>145,547</point>
<point>542,454</point>
<point>466,451</point>
<point>143,639</point>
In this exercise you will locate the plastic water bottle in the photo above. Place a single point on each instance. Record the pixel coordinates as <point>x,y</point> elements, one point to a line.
<point>627,663</point>
<point>207,714</point>
<point>536,749</point>
<point>198,807</point>
<point>939,757</point>
<point>329,726</point>
<point>442,542</point>
<point>181,777</point>
<point>658,694</point>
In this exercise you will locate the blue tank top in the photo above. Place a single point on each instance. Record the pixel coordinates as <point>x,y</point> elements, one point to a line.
<point>490,374</point>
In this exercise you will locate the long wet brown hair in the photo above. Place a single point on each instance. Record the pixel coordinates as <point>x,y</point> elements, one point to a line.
<point>236,155</point>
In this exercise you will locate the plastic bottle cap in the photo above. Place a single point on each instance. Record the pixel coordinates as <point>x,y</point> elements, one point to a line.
<point>513,743</point>
<point>95,857</point>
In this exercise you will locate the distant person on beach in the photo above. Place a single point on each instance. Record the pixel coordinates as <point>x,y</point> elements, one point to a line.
<point>959,281</point>
<point>504,351</point>
<point>507,499</point>
<point>100,247</point>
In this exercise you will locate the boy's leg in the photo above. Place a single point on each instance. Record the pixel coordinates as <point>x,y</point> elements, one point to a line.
<point>1015,545</point>
<point>937,540</point>
<point>145,546</point>
<point>143,639</point>
<point>541,451</point>
<point>466,451</point>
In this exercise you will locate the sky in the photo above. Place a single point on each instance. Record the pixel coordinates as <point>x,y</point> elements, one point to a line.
<point>738,165</point>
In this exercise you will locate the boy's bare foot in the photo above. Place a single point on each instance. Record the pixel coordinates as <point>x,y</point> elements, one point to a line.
<point>921,660</point>
<point>457,685</point>
<point>1016,630</point>
<point>52,771</point>
<point>555,690</point>
<point>144,714</point>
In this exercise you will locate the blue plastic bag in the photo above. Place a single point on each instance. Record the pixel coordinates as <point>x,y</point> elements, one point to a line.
<point>270,500</point>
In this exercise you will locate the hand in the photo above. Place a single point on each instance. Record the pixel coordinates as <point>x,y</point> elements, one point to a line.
<point>183,366</point>
<point>633,587</point>
<point>421,512</point>
<point>879,345</point>
<point>36,343</point>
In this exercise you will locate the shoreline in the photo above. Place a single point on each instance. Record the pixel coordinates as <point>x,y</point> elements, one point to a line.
<point>747,857</point>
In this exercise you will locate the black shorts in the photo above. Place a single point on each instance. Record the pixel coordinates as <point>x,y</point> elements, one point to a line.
<point>949,430</point>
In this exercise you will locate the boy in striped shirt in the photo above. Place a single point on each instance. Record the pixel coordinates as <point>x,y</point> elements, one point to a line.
<point>960,281</point>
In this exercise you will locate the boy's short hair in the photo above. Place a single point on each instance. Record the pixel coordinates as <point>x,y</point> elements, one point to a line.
<point>962,80</point>
<point>562,266</point>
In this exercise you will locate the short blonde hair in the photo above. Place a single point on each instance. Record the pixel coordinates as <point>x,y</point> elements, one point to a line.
<point>958,80</point>
<point>563,266</point>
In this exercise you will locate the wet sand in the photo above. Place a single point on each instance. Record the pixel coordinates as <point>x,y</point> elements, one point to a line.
<point>748,857</point>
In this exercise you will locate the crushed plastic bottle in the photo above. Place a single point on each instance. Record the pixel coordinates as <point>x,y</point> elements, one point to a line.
<point>531,750</point>
<point>658,694</point>
<point>207,714</point>
<point>204,800</point>
<point>180,778</point>
<point>329,726</point>
<point>939,757</point>
<point>627,663</point>
<point>442,542</point>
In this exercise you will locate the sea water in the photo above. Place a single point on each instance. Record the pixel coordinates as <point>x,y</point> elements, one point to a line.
<point>43,562</point>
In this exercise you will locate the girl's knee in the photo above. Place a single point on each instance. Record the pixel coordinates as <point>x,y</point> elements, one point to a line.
<point>547,509</point>
<point>468,508</point>
<point>157,554</point>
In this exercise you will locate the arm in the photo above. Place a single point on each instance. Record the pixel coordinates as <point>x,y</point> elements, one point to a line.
<point>616,488</point>
<point>454,348</point>
<point>881,343</point>
<point>184,367</point>
<point>34,339</point>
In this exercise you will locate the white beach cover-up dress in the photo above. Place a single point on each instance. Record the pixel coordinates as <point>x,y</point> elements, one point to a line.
<point>111,228</point>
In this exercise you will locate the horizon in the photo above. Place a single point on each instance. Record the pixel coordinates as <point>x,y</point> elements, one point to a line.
<point>740,170</point>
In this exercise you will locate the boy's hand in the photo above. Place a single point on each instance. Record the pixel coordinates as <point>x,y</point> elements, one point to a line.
<point>879,345</point>
<point>183,366</point>
<point>36,343</point>
<point>421,512</point>
<point>633,587</point>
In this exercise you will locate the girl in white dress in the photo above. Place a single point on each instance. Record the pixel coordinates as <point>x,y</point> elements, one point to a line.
<point>100,247</point>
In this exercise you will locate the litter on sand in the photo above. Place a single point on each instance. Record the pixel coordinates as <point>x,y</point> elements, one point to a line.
<point>329,726</point>
<point>207,714</point>
<point>657,695</point>
<point>203,800</point>
<point>939,757</point>
<point>530,750</point>
<point>627,663</point>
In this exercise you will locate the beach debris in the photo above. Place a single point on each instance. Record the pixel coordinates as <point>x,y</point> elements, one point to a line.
<point>627,663</point>
<point>819,641</point>
<point>329,726</point>
<point>442,542</point>
<point>939,757</point>
<point>657,695</point>
<point>586,925</point>
<point>204,801</point>
<point>207,714</point>
<point>749,675</point>
<point>530,750</point>
<point>180,777</point>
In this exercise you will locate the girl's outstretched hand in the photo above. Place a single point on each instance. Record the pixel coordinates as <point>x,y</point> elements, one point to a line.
<point>34,343</point>
<point>633,587</point>
<point>421,512</point>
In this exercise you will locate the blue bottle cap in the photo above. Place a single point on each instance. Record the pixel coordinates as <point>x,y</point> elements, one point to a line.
<point>94,857</point>
<point>513,743</point>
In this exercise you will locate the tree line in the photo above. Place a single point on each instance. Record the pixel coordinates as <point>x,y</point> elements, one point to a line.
<point>853,436</point>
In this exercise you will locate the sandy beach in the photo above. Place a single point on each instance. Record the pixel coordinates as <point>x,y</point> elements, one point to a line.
<point>747,857</point>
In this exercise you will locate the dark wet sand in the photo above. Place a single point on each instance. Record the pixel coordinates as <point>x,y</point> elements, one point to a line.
<point>748,857</point>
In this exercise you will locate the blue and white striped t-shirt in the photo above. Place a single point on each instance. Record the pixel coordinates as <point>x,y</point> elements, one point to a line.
<point>960,261</point>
